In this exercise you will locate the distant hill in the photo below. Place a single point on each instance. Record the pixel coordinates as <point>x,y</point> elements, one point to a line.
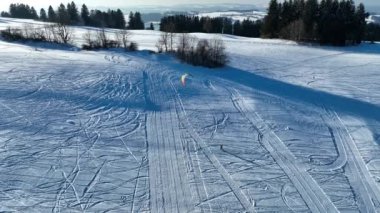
<point>192,8</point>
<point>373,19</point>
<point>252,15</point>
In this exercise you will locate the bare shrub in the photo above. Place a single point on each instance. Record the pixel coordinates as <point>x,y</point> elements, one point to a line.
<point>123,36</point>
<point>26,30</point>
<point>105,41</point>
<point>171,30</point>
<point>183,44</point>
<point>38,34</point>
<point>52,33</point>
<point>208,53</point>
<point>133,46</point>
<point>65,33</point>
<point>12,34</point>
<point>90,41</point>
<point>55,33</point>
<point>102,38</point>
<point>49,31</point>
<point>218,56</point>
<point>87,37</point>
<point>59,33</point>
<point>98,40</point>
<point>186,46</point>
<point>163,42</point>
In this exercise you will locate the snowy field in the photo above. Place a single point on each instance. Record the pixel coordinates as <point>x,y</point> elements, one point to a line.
<point>283,128</point>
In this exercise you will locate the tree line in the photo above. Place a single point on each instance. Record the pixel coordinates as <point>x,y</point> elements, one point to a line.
<point>189,24</point>
<point>331,22</point>
<point>372,32</point>
<point>20,11</point>
<point>327,22</point>
<point>71,15</point>
<point>135,21</point>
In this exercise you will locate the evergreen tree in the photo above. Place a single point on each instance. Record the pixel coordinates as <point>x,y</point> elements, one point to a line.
<point>97,19</point>
<point>151,26</point>
<point>5,14</point>
<point>335,22</point>
<point>286,14</point>
<point>237,28</point>
<point>131,21</point>
<point>299,6</point>
<point>43,15</point>
<point>187,24</point>
<point>309,17</point>
<point>85,14</point>
<point>62,15</point>
<point>108,19</point>
<point>33,13</point>
<point>372,32</point>
<point>22,11</point>
<point>360,23</point>
<point>135,21</point>
<point>72,10</point>
<point>51,14</point>
<point>138,21</point>
<point>120,19</point>
<point>12,9</point>
<point>271,21</point>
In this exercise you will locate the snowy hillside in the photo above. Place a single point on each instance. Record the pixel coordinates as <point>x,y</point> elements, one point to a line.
<point>236,15</point>
<point>282,128</point>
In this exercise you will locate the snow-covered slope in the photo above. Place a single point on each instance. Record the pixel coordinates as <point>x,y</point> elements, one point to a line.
<point>283,127</point>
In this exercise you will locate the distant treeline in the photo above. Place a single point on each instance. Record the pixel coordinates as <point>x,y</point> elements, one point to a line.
<point>20,11</point>
<point>69,14</point>
<point>189,24</point>
<point>333,22</point>
<point>327,22</point>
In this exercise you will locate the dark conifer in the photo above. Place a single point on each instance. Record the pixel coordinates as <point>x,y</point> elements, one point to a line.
<point>43,15</point>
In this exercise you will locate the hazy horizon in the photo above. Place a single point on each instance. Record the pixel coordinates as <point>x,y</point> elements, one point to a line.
<point>132,4</point>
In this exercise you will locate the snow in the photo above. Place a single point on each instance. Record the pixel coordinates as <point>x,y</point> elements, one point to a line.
<point>284,127</point>
<point>373,19</point>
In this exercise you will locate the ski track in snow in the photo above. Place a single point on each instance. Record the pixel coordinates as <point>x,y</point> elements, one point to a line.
<point>110,131</point>
<point>312,194</point>
<point>170,191</point>
<point>366,190</point>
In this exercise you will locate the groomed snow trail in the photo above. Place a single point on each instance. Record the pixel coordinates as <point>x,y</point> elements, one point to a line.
<point>170,191</point>
<point>169,184</point>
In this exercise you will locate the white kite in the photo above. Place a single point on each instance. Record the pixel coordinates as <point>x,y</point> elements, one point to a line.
<point>183,79</point>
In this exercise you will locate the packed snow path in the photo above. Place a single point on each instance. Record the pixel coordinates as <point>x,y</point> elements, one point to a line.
<point>114,131</point>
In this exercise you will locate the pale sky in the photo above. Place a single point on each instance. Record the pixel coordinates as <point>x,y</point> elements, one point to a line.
<point>125,3</point>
